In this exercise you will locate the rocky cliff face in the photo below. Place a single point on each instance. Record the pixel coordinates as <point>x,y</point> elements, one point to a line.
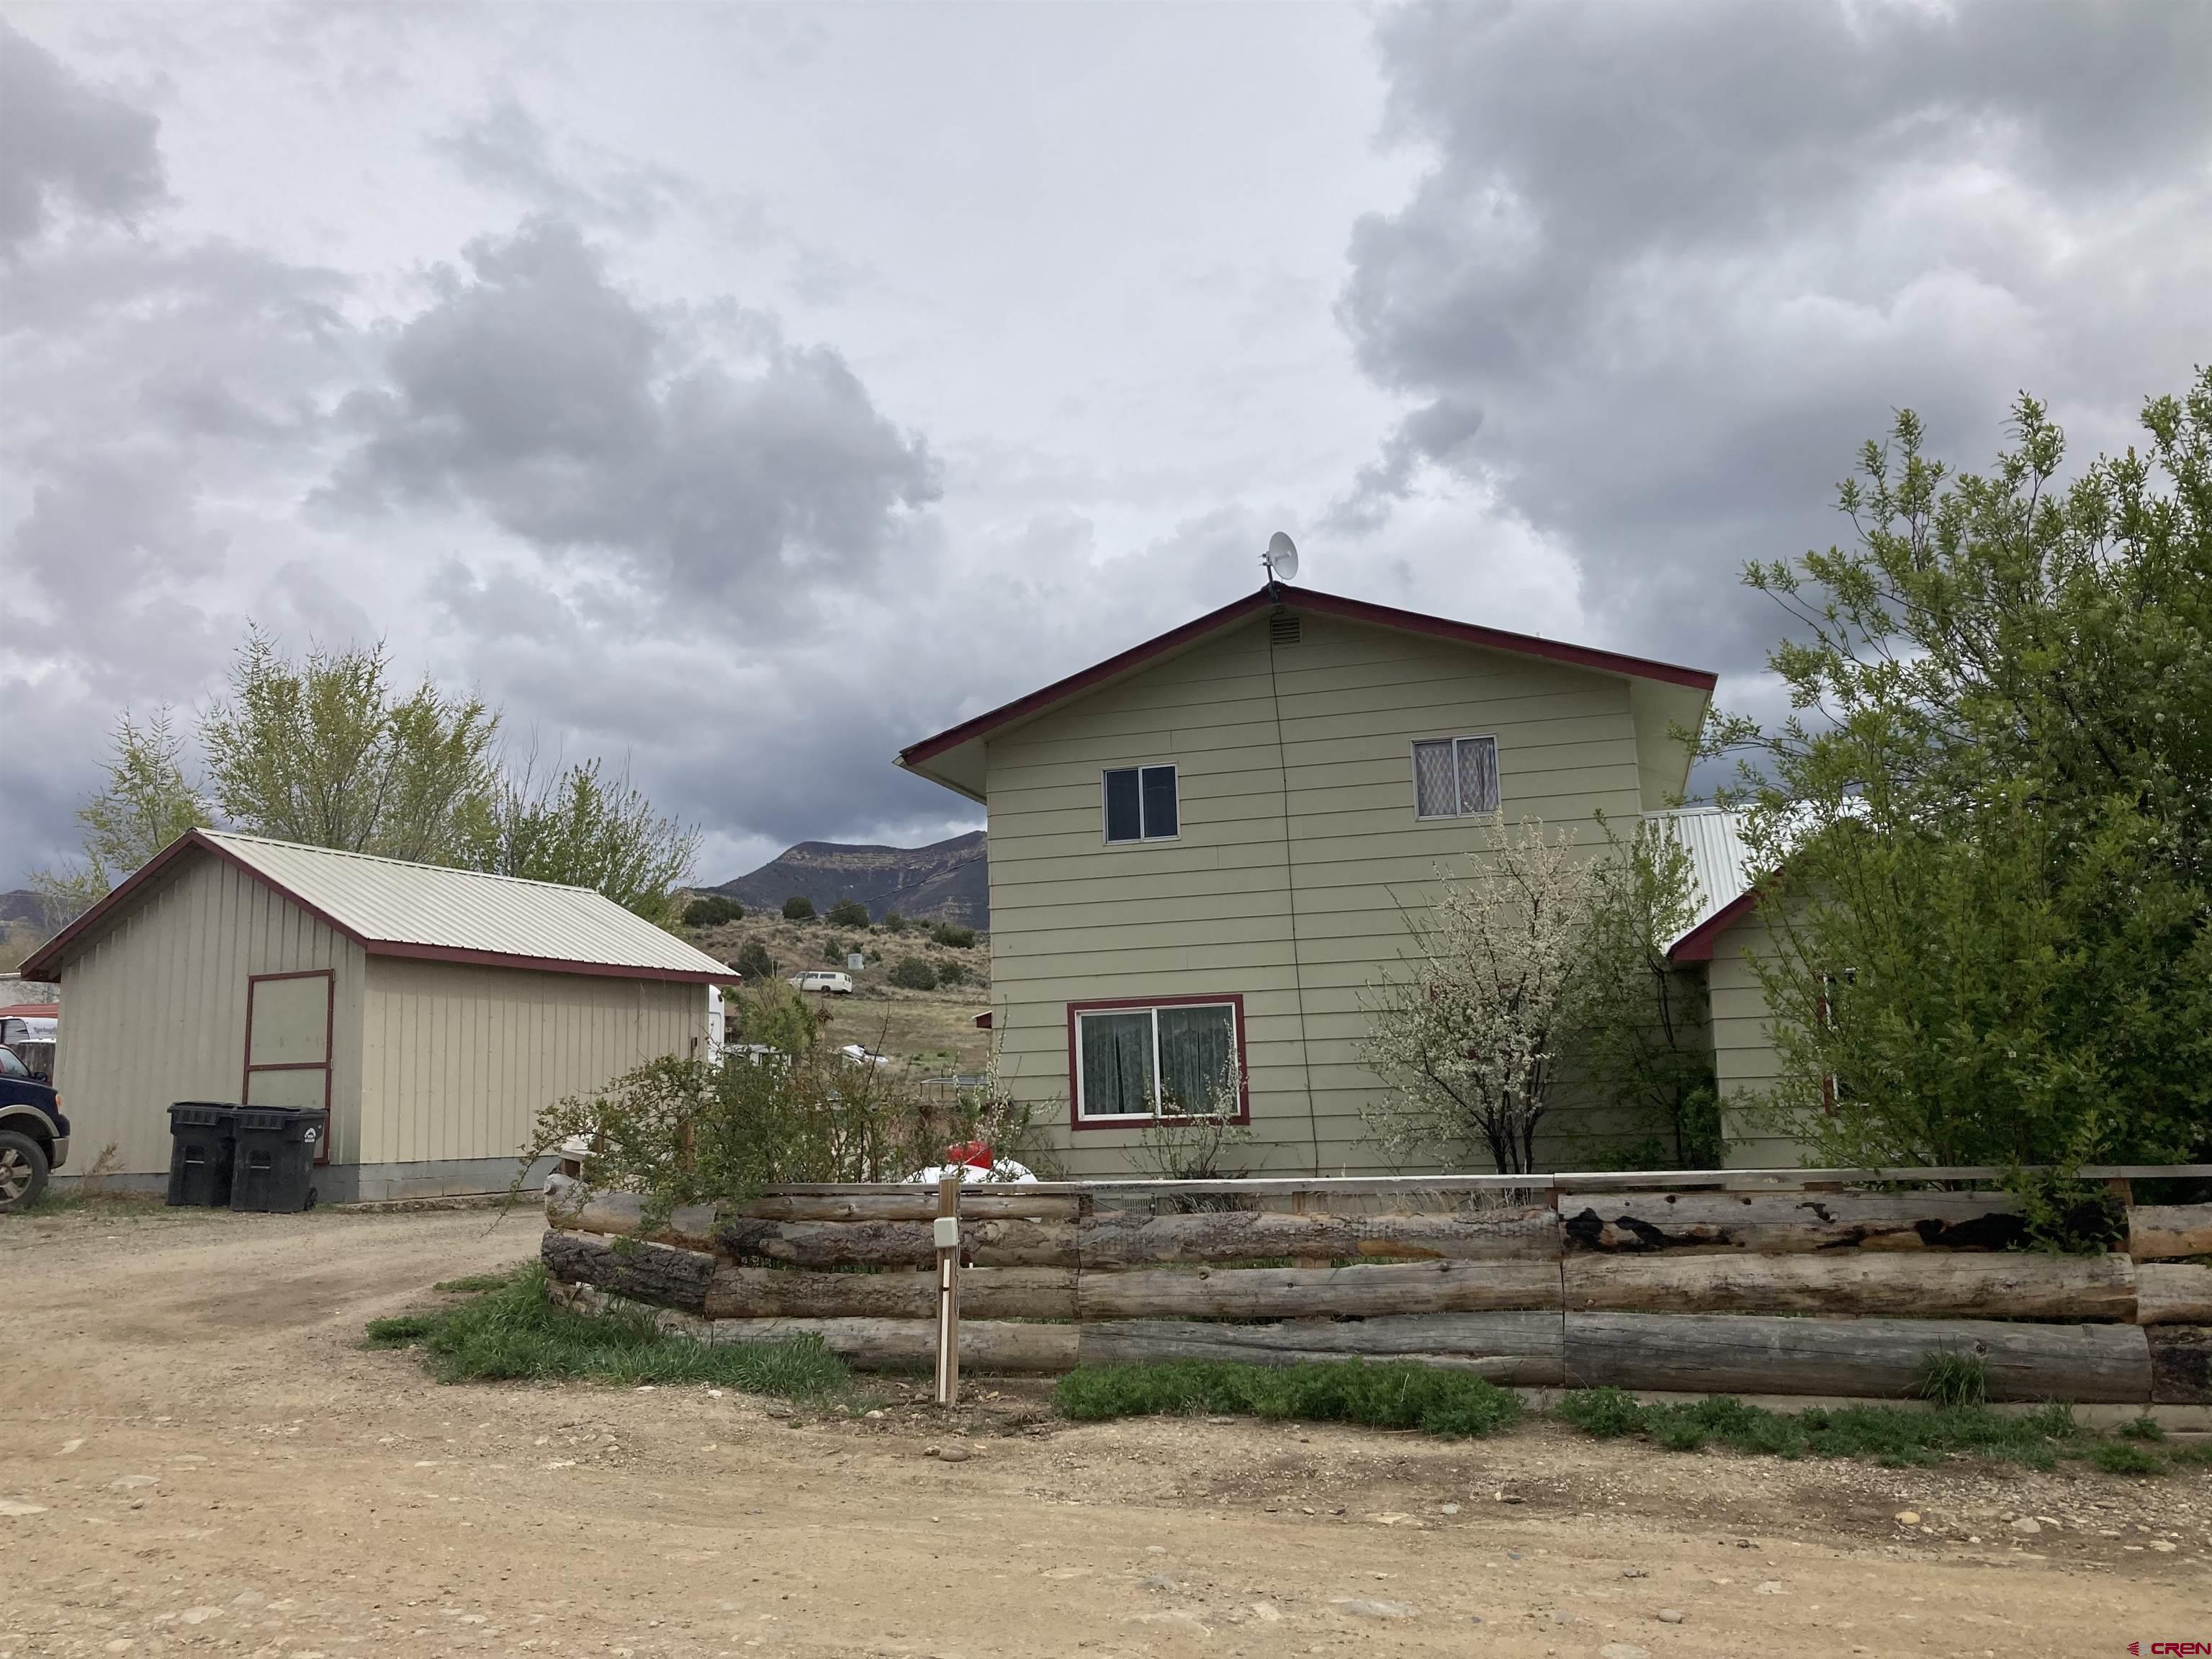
<point>948,881</point>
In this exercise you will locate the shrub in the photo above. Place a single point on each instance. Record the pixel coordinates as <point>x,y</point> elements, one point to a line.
<point>950,974</point>
<point>1393,1394</point>
<point>711,910</point>
<point>952,937</point>
<point>834,951</point>
<point>798,908</point>
<point>678,1132</point>
<point>754,961</point>
<point>894,922</point>
<point>2145,1427</point>
<point>849,913</point>
<point>913,974</point>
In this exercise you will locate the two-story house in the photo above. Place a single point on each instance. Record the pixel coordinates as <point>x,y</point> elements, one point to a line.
<point>1204,848</point>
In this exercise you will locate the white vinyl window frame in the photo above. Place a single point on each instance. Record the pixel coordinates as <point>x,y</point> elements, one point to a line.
<point>1464,749</point>
<point>1145,834</point>
<point>1085,1119</point>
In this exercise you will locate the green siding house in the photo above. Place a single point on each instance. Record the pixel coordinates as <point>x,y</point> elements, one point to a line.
<point>1205,847</point>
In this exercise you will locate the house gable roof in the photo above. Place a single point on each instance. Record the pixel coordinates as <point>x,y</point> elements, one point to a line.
<point>391,908</point>
<point>953,757</point>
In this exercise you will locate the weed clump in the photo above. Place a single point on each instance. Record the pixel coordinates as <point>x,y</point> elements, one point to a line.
<point>1393,1394</point>
<point>512,1332</point>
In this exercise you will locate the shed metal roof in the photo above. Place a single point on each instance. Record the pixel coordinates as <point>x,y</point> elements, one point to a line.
<point>392,908</point>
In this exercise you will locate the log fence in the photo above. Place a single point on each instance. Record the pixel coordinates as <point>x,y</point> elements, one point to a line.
<point>1831,1283</point>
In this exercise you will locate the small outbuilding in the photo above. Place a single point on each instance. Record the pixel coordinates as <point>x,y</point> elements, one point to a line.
<point>432,1011</point>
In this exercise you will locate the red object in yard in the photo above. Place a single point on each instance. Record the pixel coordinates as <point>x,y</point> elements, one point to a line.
<point>977,1154</point>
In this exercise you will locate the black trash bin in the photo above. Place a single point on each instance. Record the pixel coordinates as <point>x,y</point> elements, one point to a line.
<point>202,1137</point>
<point>275,1168</point>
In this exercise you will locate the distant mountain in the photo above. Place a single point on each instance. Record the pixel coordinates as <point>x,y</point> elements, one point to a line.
<point>23,906</point>
<point>948,881</point>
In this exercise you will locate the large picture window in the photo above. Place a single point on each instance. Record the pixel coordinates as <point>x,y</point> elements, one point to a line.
<point>1455,777</point>
<point>1131,1062</point>
<point>1141,804</point>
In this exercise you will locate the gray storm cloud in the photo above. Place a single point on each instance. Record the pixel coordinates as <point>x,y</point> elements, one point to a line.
<point>576,418</point>
<point>66,145</point>
<point>1670,265</point>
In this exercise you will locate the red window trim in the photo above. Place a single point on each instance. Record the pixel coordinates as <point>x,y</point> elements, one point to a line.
<point>1233,1000</point>
<point>329,1046</point>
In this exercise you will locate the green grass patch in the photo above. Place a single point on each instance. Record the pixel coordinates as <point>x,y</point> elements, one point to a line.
<point>472,1283</point>
<point>510,1331</point>
<point>2127,1458</point>
<point>1392,1395</point>
<point>1889,1435</point>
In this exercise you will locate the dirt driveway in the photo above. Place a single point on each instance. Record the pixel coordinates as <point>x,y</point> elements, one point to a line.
<point>196,1455</point>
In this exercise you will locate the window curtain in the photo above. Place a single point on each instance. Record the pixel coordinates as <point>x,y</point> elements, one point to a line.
<point>1117,1063</point>
<point>1198,1052</point>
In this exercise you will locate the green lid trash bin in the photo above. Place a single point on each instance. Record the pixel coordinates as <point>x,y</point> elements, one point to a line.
<point>275,1168</point>
<point>202,1137</point>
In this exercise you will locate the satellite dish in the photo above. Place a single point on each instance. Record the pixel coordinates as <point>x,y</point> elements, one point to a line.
<point>1281,558</point>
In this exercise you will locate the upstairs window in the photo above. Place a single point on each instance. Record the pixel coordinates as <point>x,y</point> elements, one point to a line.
<point>1455,777</point>
<point>1141,804</point>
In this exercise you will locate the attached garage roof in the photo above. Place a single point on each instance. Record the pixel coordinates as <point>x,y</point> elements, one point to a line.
<point>391,908</point>
<point>1721,862</point>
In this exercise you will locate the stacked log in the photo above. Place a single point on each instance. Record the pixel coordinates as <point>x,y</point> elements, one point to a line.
<point>1772,1224</point>
<point>1876,1359</point>
<point>1831,1292</point>
<point>2012,1285</point>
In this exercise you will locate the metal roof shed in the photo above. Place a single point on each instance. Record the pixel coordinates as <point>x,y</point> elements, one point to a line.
<point>434,1011</point>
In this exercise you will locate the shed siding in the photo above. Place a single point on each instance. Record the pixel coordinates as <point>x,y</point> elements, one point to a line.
<point>1287,880</point>
<point>457,1060</point>
<point>153,1011</point>
<point>1744,1062</point>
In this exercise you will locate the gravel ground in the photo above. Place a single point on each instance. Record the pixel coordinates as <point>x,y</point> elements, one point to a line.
<point>198,1456</point>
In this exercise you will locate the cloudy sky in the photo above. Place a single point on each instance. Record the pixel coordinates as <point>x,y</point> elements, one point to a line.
<point>741,394</point>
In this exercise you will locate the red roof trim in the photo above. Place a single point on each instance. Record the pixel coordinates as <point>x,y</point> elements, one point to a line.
<point>47,962</point>
<point>31,1011</point>
<point>1330,605</point>
<point>1697,944</point>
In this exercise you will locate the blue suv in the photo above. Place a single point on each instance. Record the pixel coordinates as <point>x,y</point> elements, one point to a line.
<point>34,1136</point>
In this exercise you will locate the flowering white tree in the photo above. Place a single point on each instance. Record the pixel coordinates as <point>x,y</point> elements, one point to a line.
<point>1464,1036</point>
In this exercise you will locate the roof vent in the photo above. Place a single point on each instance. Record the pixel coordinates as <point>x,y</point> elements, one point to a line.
<point>1283,628</point>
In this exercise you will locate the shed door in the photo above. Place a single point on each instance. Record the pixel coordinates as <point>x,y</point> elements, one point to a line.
<point>287,1044</point>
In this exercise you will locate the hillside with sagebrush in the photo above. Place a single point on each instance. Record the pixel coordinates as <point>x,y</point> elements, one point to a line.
<point>946,881</point>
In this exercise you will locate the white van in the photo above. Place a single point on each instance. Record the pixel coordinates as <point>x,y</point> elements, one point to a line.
<point>827,980</point>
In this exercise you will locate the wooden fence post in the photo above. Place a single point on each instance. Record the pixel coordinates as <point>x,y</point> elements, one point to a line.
<point>948,1288</point>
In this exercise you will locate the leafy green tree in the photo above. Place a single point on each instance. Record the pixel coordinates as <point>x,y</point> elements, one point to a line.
<point>798,908</point>
<point>849,913</point>
<point>147,803</point>
<point>1638,1033</point>
<point>754,962</point>
<point>1988,820</point>
<point>583,829</point>
<point>326,752</point>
